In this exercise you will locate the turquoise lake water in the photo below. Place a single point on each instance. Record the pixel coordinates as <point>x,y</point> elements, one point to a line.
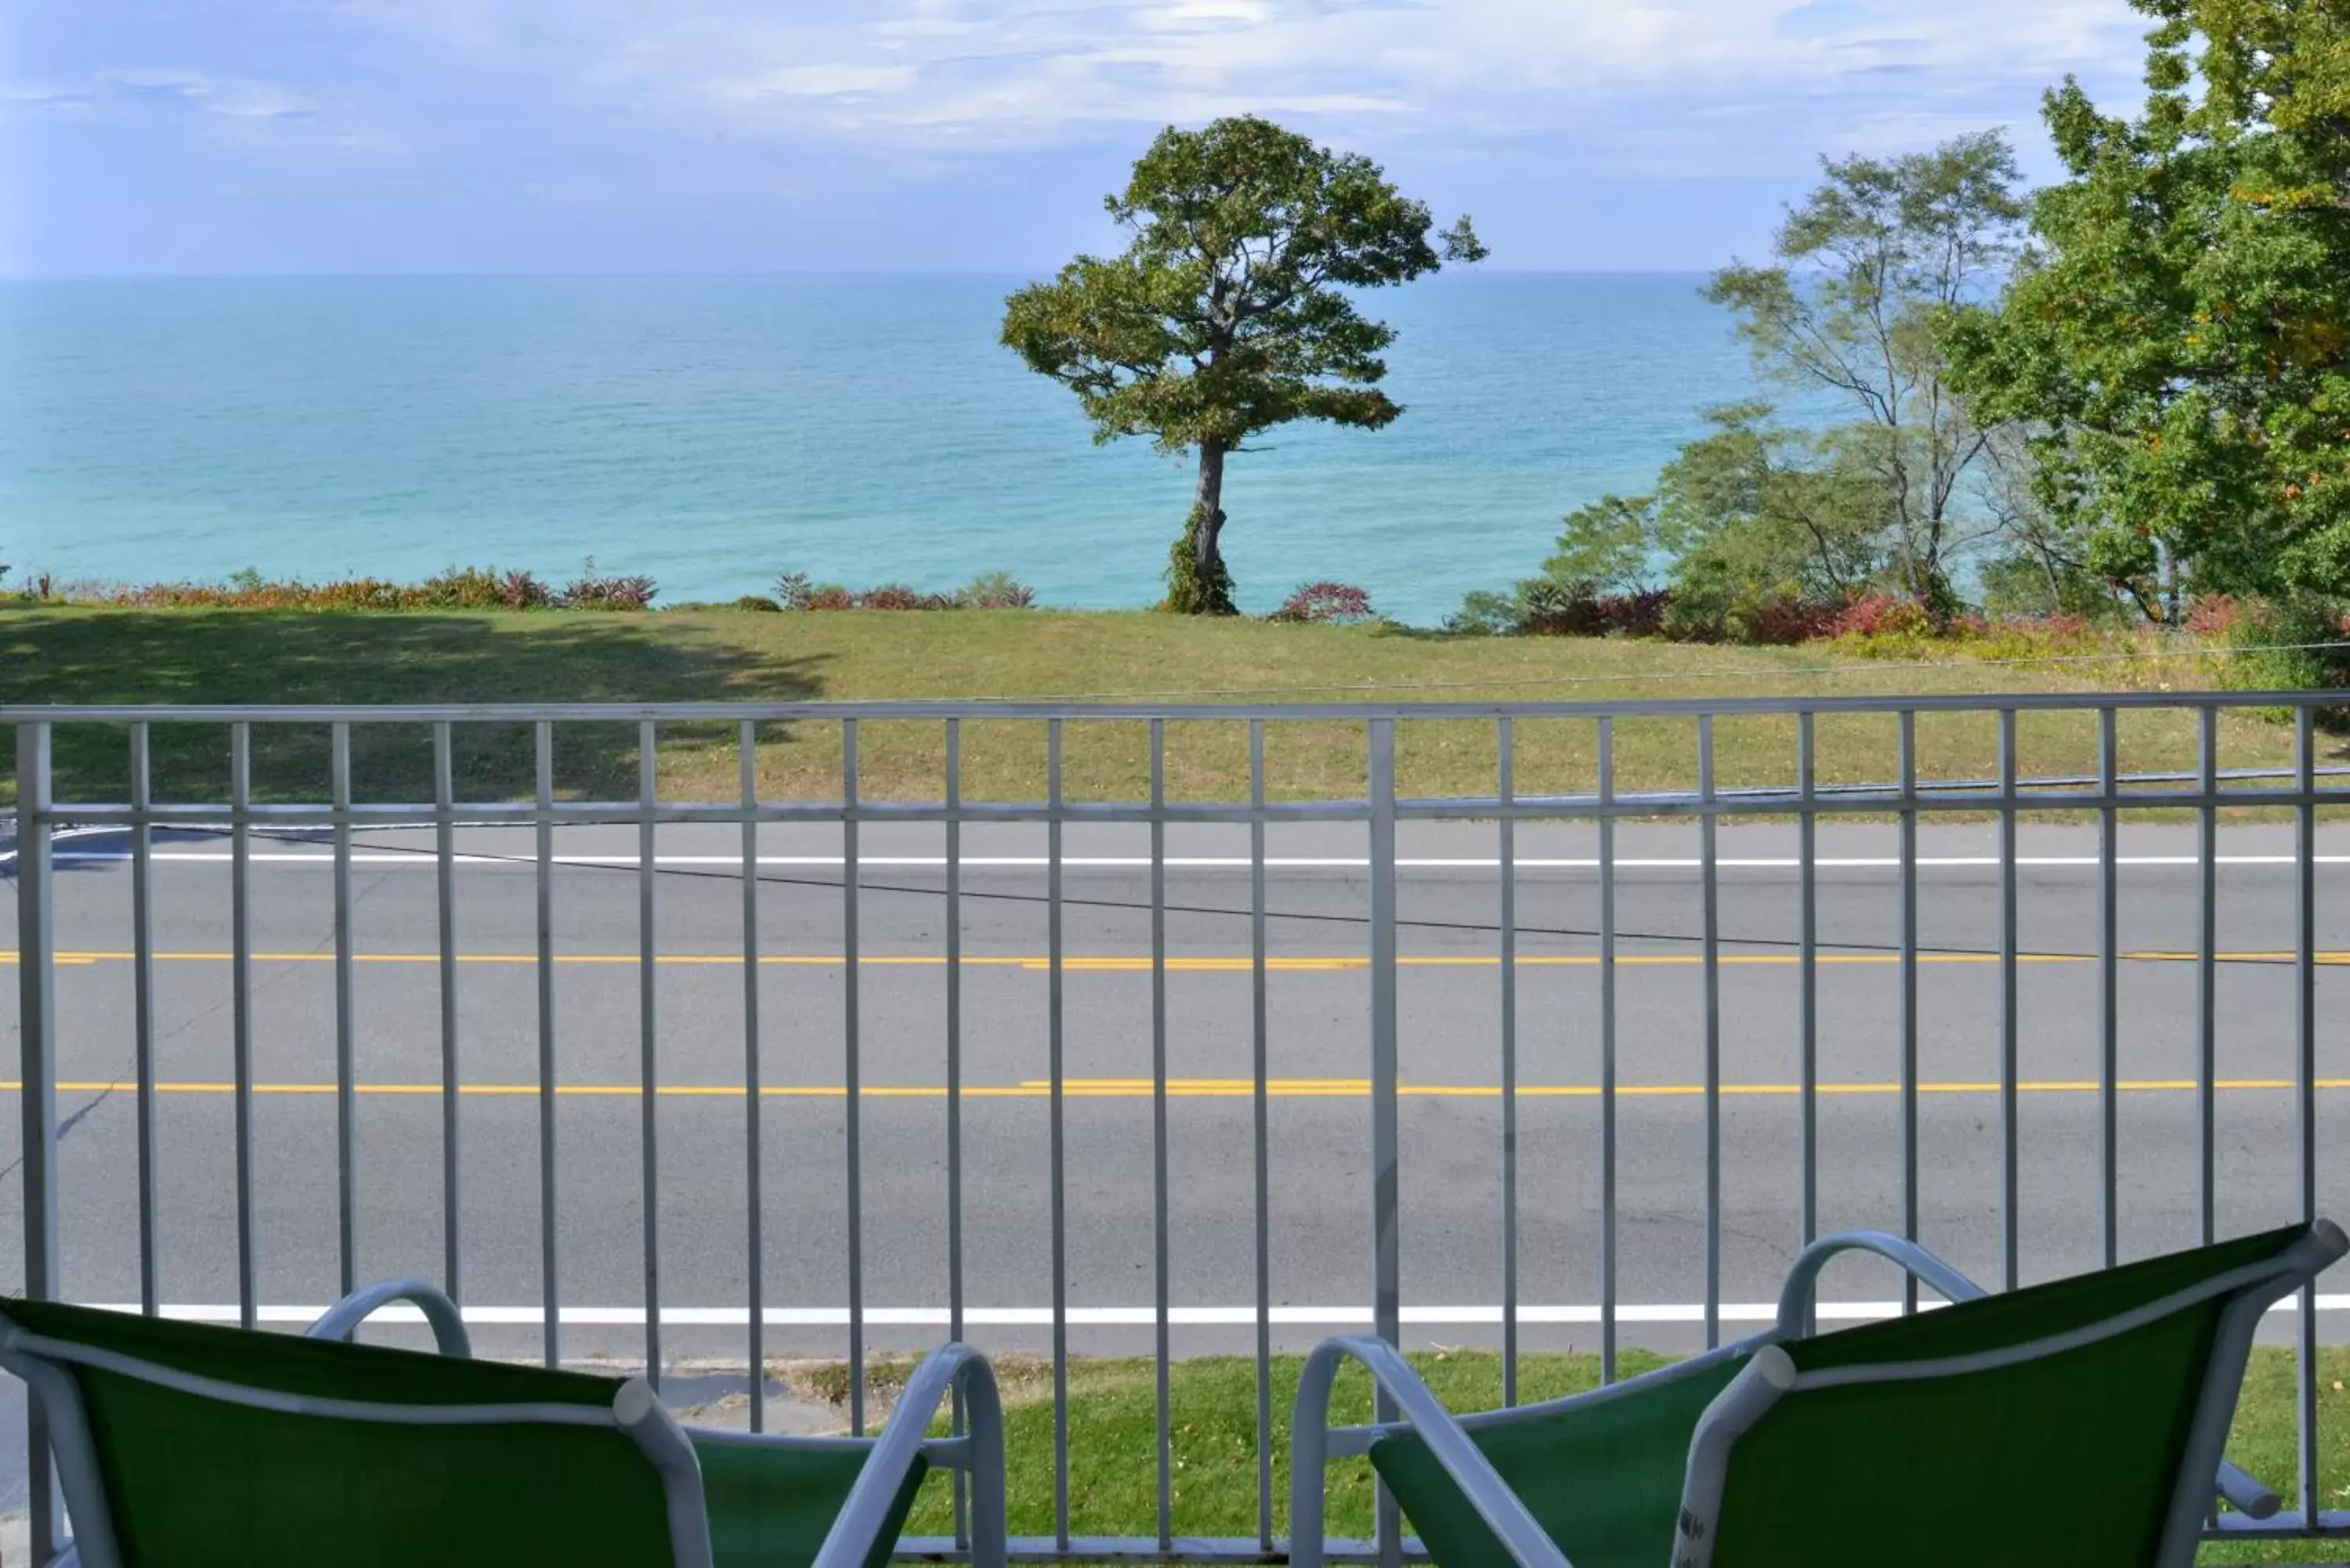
<point>711,432</point>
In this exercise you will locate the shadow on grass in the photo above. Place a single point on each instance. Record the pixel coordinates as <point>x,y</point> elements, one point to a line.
<point>255,657</point>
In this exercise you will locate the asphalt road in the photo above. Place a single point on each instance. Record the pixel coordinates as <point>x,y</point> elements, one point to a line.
<point>1318,1109</point>
<point>1318,1112</point>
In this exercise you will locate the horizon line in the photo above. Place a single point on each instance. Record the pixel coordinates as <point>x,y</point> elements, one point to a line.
<point>456,274</point>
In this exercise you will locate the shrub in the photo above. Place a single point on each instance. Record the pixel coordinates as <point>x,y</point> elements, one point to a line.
<point>1548,607</point>
<point>2293,644</point>
<point>994,591</point>
<point>2212,615</point>
<point>1637,613</point>
<point>757,602</point>
<point>1880,616</point>
<point>1485,613</point>
<point>1785,622</point>
<point>1326,603</point>
<point>898,596</point>
<point>593,593</point>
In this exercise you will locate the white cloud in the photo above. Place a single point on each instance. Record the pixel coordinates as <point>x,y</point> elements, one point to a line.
<point>983,74</point>
<point>120,91</point>
<point>1026,69</point>
<point>831,81</point>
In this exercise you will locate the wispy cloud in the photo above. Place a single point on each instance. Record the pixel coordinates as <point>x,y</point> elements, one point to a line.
<point>1020,72</point>
<point>125,91</point>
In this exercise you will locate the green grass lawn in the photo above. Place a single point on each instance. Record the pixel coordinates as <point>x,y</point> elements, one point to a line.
<point>1113,1480</point>
<point>56,655</point>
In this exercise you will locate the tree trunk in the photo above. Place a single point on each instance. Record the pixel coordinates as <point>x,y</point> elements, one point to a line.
<point>1197,582</point>
<point>1208,506</point>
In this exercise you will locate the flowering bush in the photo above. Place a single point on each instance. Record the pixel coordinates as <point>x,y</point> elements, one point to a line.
<point>1881,615</point>
<point>1326,603</point>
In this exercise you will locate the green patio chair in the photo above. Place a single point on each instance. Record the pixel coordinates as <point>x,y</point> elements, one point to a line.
<point>182,1446</point>
<point>2077,1423</point>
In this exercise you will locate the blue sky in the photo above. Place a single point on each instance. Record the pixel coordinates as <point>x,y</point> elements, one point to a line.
<point>264,136</point>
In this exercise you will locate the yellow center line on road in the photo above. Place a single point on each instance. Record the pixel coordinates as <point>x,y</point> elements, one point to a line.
<point>1194,1088</point>
<point>1141,963</point>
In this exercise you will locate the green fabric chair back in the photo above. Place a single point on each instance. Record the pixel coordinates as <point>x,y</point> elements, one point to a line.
<point>772,1508</point>
<point>2070,1459</point>
<point>1637,1440</point>
<point>193,1482</point>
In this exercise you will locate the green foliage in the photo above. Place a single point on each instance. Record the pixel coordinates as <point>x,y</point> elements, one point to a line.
<point>2295,643</point>
<point>1230,311</point>
<point>1754,515</point>
<point>1611,545</point>
<point>2179,341</point>
<point>1863,273</point>
<point>1193,588</point>
<point>995,590</point>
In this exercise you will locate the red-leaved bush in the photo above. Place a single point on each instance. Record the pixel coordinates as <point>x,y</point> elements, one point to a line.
<point>1881,614</point>
<point>1785,622</point>
<point>2211,615</point>
<point>1326,603</point>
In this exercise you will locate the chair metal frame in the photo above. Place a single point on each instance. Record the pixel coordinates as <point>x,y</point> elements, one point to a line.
<point>636,1411</point>
<point>1770,1374</point>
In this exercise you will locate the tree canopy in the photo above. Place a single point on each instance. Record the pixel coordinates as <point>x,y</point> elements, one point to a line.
<point>2176,341</point>
<point>1227,314</point>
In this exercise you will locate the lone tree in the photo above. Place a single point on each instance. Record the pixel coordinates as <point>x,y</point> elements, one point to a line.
<point>1224,316</point>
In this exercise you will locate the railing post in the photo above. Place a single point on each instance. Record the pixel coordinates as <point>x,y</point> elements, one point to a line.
<point>1387,1281</point>
<point>37,1071</point>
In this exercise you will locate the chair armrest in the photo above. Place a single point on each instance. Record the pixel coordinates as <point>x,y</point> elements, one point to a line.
<point>2252,1497</point>
<point>1450,1447</point>
<point>1804,1278</point>
<point>906,1437</point>
<point>342,1320</point>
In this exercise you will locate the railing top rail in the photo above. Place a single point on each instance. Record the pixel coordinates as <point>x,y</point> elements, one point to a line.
<point>989,707</point>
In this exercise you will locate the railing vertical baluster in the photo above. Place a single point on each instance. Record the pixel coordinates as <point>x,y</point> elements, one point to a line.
<point>37,979</point>
<point>649,1034</point>
<point>346,1019</point>
<point>2108,995</point>
<point>1159,1279</point>
<point>2305,996</point>
<point>1908,749</point>
<point>852,1075</point>
<point>755,1208</point>
<point>550,1281</point>
<point>2011,1222</point>
<point>1709,880</point>
<point>239,786</point>
<point>2207,974</point>
<point>955,1092</point>
<point>1386,1273</point>
<point>1807,939</point>
<point>1507,829</point>
<point>1261,1127</point>
<point>1058,1139</point>
<point>1606,789</point>
<point>142,1004</point>
<point>444,879</point>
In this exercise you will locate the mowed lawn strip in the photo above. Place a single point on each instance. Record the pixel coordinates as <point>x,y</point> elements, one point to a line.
<point>108,656</point>
<point>1113,1473</point>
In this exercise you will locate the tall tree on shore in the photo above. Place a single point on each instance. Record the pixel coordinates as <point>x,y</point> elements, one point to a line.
<point>1225,315</point>
<point>2178,342</point>
<point>1861,277</point>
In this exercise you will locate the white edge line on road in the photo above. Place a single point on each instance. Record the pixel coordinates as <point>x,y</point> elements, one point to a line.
<point>1081,1317</point>
<point>424,861</point>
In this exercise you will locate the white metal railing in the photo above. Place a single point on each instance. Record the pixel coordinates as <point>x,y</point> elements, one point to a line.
<point>2297,792</point>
